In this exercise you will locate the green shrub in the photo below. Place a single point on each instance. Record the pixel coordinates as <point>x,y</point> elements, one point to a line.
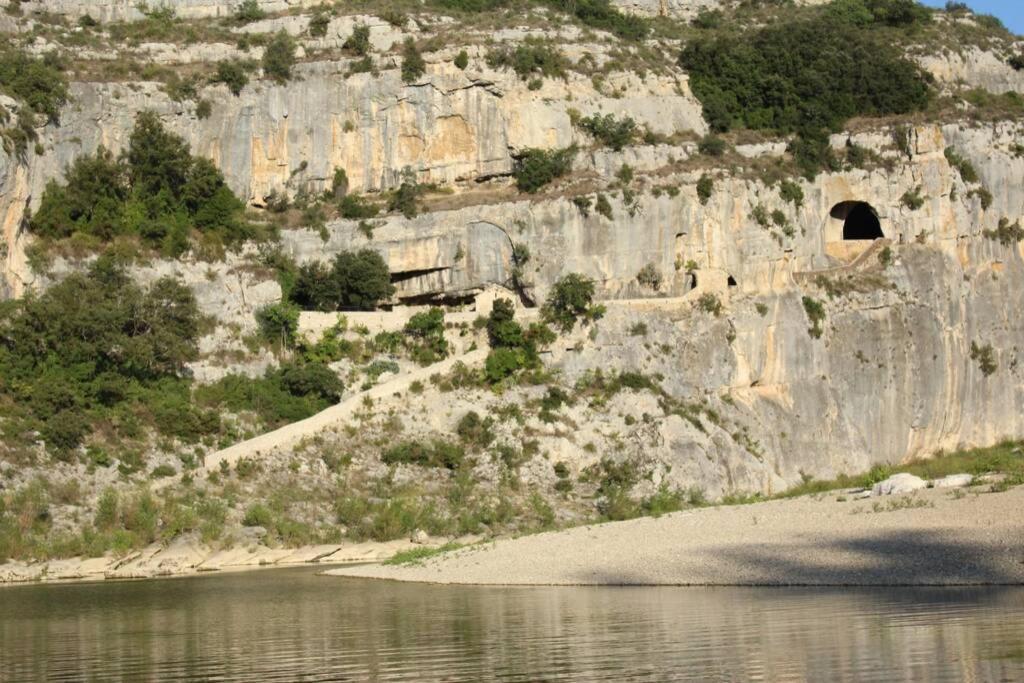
<point>249,11</point>
<point>711,145</point>
<point>816,314</point>
<point>319,22</point>
<point>258,514</point>
<point>461,60</point>
<point>710,303</point>
<point>405,199</point>
<point>162,471</point>
<point>570,297</point>
<point>359,42</point>
<point>413,65</point>
<point>529,59</point>
<point>705,187</point>
<point>603,206</point>
<point>232,74</point>
<point>502,363</point>
<point>965,167</point>
<point>1008,234</point>
<point>279,57</point>
<point>355,207</point>
<point>604,16</point>
<point>474,430</point>
<point>437,454</point>
<point>985,356</point>
<point>912,199</point>
<point>609,130</point>
<point>39,82</point>
<point>983,195</point>
<point>310,380</point>
<point>649,276</point>
<point>278,323</point>
<point>791,192</point>
<point>425,334</point>
<point>535,168</point>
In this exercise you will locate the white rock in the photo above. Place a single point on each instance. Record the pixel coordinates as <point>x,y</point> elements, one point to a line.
<point>898,483</point>
<point>953,481</point>
<point>419,536</point>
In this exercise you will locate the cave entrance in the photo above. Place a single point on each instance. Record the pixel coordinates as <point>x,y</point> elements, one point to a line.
<point>860,221</point>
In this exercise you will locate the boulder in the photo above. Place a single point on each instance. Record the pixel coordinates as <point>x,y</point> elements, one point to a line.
<point>953,481</point>
<point>419,536</point>
<point>898,483</point>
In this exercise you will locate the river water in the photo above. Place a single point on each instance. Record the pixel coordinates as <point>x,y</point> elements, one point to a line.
<point>292,625</point>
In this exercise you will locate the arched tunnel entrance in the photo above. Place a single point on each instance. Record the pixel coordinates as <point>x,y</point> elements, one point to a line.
<point>860,220</point>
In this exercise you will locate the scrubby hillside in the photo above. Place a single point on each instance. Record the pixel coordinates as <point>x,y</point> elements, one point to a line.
<point>293,273</point>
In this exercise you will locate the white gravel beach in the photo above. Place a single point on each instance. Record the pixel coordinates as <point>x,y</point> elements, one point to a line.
<point>933,537</point>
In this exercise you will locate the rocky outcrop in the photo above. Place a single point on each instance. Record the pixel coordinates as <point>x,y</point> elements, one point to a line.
<point>130,10</point>
<point>974,68</point>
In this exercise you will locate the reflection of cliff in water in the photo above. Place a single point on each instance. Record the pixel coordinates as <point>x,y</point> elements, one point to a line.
<point>293,625</point>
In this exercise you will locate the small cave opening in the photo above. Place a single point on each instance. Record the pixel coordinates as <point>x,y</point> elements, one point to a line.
<point>731,281</point>
<point>860,220</point>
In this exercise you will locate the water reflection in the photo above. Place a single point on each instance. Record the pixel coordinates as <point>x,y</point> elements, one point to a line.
<point>292,625</point>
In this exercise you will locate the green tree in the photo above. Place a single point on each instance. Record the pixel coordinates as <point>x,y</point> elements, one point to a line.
<point>156,190</point>
<point>413,65</point>
<point>158,160</point>
<point>315,287</point>
<point>362,279</point>
<point>570,297</point>
<point>279,323</point>
<point>279,57</point>
<point>502,329</point>
<point>232,74</point>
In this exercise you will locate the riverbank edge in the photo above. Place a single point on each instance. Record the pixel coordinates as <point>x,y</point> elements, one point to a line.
<point>928,538</point>
<point>188,557</point>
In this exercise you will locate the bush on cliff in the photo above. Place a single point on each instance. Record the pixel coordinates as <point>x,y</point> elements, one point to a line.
<point>571,297</point>
<point>355,280</point>
<point>39,82</point>
<point>279,57</point>
<point>535,168</point>
<point>156,191</point>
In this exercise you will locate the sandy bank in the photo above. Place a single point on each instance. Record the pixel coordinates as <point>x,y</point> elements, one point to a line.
<point>187,556</point>
<point>935,537</point>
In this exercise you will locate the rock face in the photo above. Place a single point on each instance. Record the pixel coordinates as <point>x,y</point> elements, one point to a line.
<point>129,10</point>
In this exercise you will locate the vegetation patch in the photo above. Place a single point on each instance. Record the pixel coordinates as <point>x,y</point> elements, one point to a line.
<point>355,280</point>
<point>809,74</point>
<point>156,191</point>
<point>535,168</point>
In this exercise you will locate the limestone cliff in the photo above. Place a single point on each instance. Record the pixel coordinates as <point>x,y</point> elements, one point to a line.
<point>892,374</point>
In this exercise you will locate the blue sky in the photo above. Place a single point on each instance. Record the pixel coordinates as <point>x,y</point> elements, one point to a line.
<point>1010,11</point>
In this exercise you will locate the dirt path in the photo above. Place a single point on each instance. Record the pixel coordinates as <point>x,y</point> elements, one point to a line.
<point>291,434</point>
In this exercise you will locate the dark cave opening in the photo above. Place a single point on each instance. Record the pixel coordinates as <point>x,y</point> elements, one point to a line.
<point>860,220</point>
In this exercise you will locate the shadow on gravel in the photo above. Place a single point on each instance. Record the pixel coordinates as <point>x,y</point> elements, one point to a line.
<point>896,559</point>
